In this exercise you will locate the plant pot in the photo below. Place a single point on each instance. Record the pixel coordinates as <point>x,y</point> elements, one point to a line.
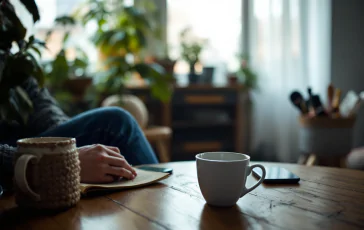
<point>233,79</point>
<point>167,64</point>
<point>326,136</point>
<point>193,78</point>
<point>78,86</point>
<point>207,75</point>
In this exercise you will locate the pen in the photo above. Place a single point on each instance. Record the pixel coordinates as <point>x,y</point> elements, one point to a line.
<point>330,96</point>
<point>318,107</point>
<point>336,103</point>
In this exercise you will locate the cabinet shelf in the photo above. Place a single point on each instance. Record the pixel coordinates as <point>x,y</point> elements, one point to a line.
<point>203,118</point>
<point>200,124</point>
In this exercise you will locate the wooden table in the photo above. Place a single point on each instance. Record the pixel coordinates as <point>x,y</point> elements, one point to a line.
<point>327,198</point>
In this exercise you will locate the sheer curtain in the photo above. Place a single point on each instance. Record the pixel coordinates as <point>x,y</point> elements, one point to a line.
<point>289,47</point>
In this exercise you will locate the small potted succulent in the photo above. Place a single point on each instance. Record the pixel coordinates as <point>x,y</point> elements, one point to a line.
<point>246,74</point>
<point>191,48</point>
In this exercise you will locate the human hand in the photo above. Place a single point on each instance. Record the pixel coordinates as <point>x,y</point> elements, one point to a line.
<point>101,164</point>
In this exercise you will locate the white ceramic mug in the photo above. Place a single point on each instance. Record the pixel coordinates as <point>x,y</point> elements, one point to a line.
<point>222,176</point>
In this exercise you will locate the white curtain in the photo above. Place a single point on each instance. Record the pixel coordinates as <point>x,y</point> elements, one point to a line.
<point>289,47</point>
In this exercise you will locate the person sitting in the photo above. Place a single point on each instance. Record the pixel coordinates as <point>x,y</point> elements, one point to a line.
<point>108,139</point>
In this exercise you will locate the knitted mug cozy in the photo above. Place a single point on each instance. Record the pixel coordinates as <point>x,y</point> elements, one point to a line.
<point>47,173</point>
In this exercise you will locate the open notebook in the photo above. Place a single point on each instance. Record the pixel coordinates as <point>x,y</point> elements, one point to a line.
<point>142,179</point>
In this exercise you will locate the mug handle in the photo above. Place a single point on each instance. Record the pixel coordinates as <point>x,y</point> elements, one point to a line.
<point>20,177</point>
<point>247,190</point>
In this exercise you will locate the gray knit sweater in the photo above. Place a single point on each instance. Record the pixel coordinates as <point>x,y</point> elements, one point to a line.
<point>45,116</point>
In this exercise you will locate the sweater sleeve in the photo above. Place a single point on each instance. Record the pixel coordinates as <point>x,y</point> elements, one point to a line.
<point>47,113</point>
<point>6,159</point>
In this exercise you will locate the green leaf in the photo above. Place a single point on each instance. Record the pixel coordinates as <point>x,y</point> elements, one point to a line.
<point>65,20</point>
<point>34,41</point>
<point>31,39</point>
<point>119,62</point>
<point>117,38</point>
<point>35,49</point>
<point>90,15</point>
<point>39,42</point>
<point>24,97</point>
<point>104,42</point>
<point>80,63</point>
<point>16,31</point>
<point>60,69</point>
<point>37,71</point>
<point>142,69</point>
<point>103,38</point>
<point>65,38</point>
<point>161,91</point>
<point>32,8</point>
<point>141,38</point>
<point>160,81</point>
<point>48,35</point>
<point>81,54</point>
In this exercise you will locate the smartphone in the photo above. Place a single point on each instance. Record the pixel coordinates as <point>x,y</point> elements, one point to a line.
<point>276,175</point>
<point>156,169</point>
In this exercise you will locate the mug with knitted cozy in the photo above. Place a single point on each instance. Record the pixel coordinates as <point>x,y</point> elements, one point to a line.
<point>47,173</point>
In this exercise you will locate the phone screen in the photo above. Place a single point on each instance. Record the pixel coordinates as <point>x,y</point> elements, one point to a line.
<point>277,175</point>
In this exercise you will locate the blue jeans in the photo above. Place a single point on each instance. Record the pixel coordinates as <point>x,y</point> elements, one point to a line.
<point>108,126</point>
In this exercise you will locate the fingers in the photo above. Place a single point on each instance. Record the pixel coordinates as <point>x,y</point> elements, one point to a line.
<point>121,172</point>
<point>112,151</point>
<point>119,162</point>
<point>115,149</point>
<point>116,165</point>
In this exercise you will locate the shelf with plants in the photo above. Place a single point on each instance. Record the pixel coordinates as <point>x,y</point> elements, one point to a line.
<point>121,40</point>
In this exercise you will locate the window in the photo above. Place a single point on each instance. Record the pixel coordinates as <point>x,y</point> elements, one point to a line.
<point>218,21</point>
<point>49,10</point>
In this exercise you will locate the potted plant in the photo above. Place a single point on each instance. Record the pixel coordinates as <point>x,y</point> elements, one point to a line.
<point>18,61</point>
<point>191,48</point>
<point>246,74</point>
<point>121,37</point>
<point>62,72</point>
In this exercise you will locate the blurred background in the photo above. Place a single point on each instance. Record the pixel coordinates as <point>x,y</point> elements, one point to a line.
<point>203,75</point>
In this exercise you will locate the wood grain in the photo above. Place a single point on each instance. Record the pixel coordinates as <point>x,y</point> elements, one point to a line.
<point>326,198</point>
<point>202,99</point>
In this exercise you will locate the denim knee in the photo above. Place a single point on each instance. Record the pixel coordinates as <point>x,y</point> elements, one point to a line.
<point>115,117</point>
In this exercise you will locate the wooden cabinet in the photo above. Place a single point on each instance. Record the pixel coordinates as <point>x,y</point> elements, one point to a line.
<point>203,118</point>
